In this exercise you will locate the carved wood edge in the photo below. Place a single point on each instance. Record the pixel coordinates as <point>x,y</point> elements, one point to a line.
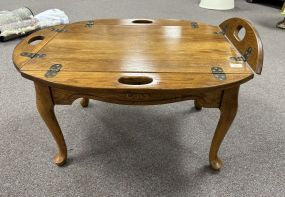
<point>209,99</point>
<point>250,47</point>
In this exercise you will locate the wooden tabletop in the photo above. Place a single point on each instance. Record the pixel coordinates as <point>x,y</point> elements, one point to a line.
<point>131,54</point>
<point>141,62</point>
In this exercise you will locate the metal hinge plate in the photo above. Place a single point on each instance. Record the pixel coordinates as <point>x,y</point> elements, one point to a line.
<point>247,53</point>
<point>220,33</point>
<point>194,25</point>
<point>223,31</point>
<point>53,70</point>
<point>218,73</point>
<point>237,59</point>
<point>32,55</point>
<point>89,24</point>
<point>244,57</point>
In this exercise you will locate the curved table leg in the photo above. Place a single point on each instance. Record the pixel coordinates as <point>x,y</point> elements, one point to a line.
<point>228,110</point>
<point>198,105</point>
<point>45,107</point>
<point>84,102</point>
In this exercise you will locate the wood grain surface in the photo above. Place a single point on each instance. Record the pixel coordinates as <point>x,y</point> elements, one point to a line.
<point>94,54</point>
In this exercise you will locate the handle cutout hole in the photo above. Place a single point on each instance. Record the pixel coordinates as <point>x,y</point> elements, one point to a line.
<point>240,33</point>
<point>36,40</point>
<point>135,80</point>
<point>142,21</point>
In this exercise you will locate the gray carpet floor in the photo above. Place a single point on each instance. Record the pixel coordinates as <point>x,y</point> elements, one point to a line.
<point>137,151</point>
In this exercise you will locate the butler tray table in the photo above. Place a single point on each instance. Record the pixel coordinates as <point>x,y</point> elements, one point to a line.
<point>140,62</point>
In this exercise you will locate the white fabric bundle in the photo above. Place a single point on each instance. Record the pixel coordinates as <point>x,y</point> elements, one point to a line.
<point>52,17</point>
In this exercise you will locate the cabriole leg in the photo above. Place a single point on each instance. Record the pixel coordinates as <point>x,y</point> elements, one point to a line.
<point>84,102</point>
<point>228,110</point>
<point>45,107</point>
<point>198,105</point>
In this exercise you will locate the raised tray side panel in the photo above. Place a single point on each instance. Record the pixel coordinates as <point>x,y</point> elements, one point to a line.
<point>251,41</point>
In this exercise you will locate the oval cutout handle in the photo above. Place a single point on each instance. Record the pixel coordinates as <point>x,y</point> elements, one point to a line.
<point>239,33</point>
<point>36,40</point>
<point>135,80</point>
<point>142,21</point>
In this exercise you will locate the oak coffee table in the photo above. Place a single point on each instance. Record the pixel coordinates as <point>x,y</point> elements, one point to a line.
<point>141,62</point>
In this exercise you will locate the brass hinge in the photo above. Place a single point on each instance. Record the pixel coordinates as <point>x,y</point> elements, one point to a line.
<point>247,53</point>
<point>220,32</point>
<point>32,55</point>
<point>194,25</point>
<point>89,24</point>
<point>244,57</point>
<point>58,30</point>
<point>53,70</point>
<point>223,31</point>
<point>218,73</point>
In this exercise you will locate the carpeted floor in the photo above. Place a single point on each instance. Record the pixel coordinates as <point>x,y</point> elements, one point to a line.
<point>153,150</point>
